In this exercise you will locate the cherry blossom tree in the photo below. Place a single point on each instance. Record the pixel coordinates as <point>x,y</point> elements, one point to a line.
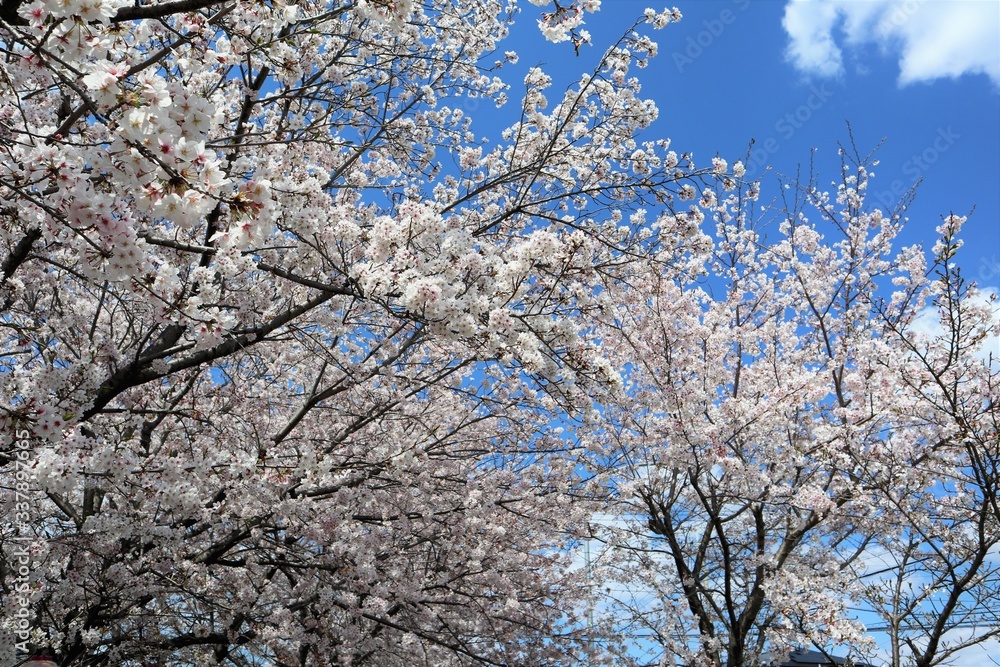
<point>287,348</point>
<point>935,577</point>
<point>784,423</point>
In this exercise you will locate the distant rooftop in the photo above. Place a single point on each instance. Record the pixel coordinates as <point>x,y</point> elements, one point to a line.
<point>803,658</point>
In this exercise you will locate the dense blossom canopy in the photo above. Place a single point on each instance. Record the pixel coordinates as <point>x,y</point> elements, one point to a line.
<point>298,369</point>
<point>281,333</point>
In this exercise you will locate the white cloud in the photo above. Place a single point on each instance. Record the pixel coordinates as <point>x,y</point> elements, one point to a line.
<point>810,26</point>
<point>931,38</point>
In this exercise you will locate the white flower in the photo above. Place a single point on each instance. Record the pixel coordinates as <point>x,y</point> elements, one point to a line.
<point>103,79</point>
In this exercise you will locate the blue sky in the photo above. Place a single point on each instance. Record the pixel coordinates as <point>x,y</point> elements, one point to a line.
<point>922,74</point>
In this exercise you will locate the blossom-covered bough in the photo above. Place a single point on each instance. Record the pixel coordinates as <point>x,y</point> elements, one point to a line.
<point>284,336</point>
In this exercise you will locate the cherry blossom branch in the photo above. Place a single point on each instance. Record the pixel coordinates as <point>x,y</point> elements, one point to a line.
<point>141,372</point>
<point>159,10</point>
<point>16,258</point>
